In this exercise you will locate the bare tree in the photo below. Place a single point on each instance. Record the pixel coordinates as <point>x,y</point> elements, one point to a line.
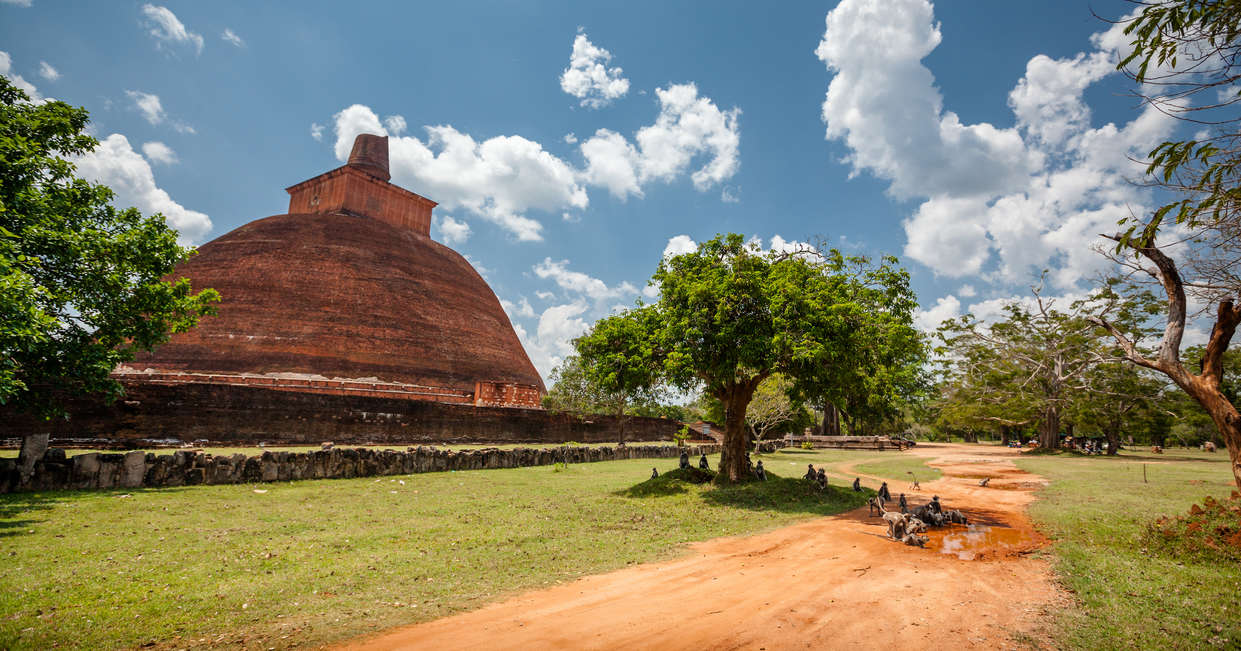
<point>770,407</point>
<point>1183,51</point>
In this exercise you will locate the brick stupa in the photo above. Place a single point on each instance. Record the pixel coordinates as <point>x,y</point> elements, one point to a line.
<point>347,294</point>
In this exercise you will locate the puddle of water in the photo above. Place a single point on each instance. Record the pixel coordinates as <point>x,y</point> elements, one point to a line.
<point>976,541</point>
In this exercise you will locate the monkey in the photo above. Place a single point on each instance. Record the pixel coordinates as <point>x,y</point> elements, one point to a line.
<point>896,524</point>
<point>810,473</point>
<point>654,473</point>
<point>956,516</point>
<point>684,460</point>
<point>984,481</point>
<point>821,477</point>
<point>876,504</point>
<point>702,463</point>
<point>857,484</point>
<point>758,470</point>
<point>914,540</point>
<point>915,486</point>
<point>904,504</point>
<point>884,494</point>
<point>914,525</point>
<point>935,504</point>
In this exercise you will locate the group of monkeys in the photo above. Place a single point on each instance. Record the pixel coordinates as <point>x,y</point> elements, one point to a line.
<point>905,525</point>
<point>758,469</point>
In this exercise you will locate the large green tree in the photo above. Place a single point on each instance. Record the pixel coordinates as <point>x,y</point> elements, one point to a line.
<point>871,382</point>
<point>81,282</point>
<point>617,357</point>
<point>1029,363</point>
<point>730,316</point>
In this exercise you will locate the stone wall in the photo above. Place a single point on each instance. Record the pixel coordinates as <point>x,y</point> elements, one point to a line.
<point>232,414</point>
<point>137,469</point>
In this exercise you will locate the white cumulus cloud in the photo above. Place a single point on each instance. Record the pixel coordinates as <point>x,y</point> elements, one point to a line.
<point>498,179</point>
<point>998,203</point>
<point>453,231</point>
<point>589,79</point>
<point>6,69</point>
<point>159,153</point>
<point>115,164</point>
<point>316,131</point>
<point>946,307</point>
<point>48,72</point>
<point>688,127</point>
<point>581,283</point>
<point>167,29</point>
<point>678,244</point>
<point>152,110</point>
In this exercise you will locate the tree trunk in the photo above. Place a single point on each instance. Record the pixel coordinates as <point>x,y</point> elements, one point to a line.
<point>1005,434</point>
<point>1225,415</point>
<point>969,436</point>
<point>620,424</point>
<point>736,439</point>
<point>1049,429</point>
<point>831,420</point>
<point>1112,434</point>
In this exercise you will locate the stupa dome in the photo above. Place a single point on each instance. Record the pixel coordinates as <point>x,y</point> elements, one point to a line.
<point>348,288</point>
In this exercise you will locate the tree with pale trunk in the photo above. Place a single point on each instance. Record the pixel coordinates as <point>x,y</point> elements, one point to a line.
<point>771,407</point>
<point>1185,59</point>
<point>1025,366</point>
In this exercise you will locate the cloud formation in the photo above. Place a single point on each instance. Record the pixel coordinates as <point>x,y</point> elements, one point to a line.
<point>115,164</point>
<point>589,79</point>
<point>6,69</point>
<point>688,127</point>
<point>453,231</point>
<point>152,110</point>
<point>999,203</point>
<point>48,72</point>
<point>231,37</point>
<point>580,283</point>
<point>168,30</point>
<point>503,178</point>
<point>498,179</point>
<point>159,153</point>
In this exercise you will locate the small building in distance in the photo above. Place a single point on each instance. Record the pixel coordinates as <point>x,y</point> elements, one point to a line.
<point>347,294</point>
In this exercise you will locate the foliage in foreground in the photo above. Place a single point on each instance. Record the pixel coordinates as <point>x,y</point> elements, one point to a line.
<point>81,282</point>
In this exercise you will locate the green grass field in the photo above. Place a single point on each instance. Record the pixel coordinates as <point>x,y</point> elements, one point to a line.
<point>1129,596</point>
<point>900,467</point>
<point>285,564</point>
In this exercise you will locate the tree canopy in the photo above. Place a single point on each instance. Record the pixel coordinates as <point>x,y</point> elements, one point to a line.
<point>81,282</point>
<point>729,316</point>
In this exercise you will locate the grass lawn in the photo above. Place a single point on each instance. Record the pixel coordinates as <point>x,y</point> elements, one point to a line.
<point>1096,509</point>
<point>898,466</point>
<point>301,563</point>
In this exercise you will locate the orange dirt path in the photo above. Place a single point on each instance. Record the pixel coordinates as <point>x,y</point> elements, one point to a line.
<point>834,582</point>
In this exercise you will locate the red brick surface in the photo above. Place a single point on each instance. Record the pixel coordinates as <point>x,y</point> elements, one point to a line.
<point>346,298</point>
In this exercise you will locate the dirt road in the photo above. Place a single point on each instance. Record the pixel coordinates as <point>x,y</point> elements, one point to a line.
<point>834,582</point>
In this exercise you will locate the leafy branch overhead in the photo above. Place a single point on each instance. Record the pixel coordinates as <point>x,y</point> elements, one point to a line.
<point>82,283</point>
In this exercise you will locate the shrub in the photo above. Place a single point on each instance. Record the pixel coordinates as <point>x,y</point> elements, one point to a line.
<point>1211,532</point>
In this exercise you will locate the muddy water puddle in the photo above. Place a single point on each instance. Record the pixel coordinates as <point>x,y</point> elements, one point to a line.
<point>978,541</point>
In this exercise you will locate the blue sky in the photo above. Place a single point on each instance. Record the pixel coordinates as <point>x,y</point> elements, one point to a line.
<point>570,146</point>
